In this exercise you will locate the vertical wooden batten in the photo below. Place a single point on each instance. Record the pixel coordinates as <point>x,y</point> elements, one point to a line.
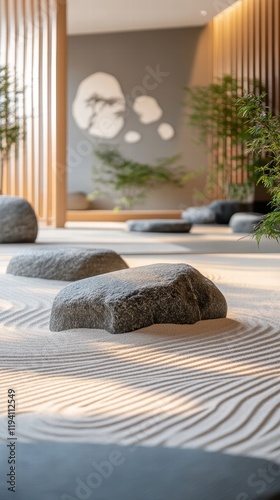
<point>33,46</point>
<point>246,43</point>
<point>61,126</point>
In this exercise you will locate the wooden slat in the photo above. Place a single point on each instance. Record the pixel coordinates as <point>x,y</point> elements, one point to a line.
<point>246,39</point>
<point>257,40</point>
<point>59,168</point>
<point>44,107</point>
<point>30,31</point>
<point>277,54</point>
<point>271,54</point>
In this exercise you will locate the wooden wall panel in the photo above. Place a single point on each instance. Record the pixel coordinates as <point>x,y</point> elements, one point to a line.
<point>33,45</point>
<point>246,43</point>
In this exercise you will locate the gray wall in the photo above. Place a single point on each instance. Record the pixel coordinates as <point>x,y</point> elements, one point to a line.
<point>185,54</point>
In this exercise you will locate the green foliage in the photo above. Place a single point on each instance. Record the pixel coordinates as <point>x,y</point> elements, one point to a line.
<point>11,125</point>
<point>213,112</point>
<point>241,192</point>
<point>131,180</point>
<point>264,129</point>
<point>214,109</point>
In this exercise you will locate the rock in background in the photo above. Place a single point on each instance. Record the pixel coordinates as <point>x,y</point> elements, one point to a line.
<point>245,222</point>
<point>65,264</point>
<point>199,215</point>
<point>225,209</point>
<point>159,225</point>
<point>18,222</point>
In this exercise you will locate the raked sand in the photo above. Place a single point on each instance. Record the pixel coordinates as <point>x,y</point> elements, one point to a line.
<point>214,385</point>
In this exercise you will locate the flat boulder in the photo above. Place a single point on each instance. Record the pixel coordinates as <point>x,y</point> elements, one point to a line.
<point>159,225</point>
<point>135,298</point>
<point>225,209</point>
<point>245,222</point>
<point>18,222</point>
<point>199,215</point>
<point>65,264</point>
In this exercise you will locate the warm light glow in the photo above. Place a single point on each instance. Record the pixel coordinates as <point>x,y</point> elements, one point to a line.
<point>228,9</point>
<point>105,398</point>
<point>203,363</point>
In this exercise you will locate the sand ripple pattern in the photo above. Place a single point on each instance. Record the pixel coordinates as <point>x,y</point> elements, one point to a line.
<point>213,385</point>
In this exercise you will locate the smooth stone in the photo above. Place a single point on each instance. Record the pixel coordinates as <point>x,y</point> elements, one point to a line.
<point>65,264</point>
<point>199,215</point>
<point>127,300</point>
<point>159,225</point>
<point>225,209</point>
<point>245,222</point>
<point>78,201</point>
<point>18,222</point>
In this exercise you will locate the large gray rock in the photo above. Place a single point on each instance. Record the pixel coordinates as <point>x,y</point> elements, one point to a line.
<point>245,222</point>
<point>135,298</point>
<point>225,209</point>
<point>199,215</point>
<point>159,225</point>
<point>78,201</point>
<point>18,222</point>
<point>65,264</point>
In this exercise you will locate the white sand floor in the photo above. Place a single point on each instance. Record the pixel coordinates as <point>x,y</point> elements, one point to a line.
<point>214,385</point>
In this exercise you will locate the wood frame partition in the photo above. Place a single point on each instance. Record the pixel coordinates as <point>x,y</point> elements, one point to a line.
<point>33,46</point>
<point>246,44</point>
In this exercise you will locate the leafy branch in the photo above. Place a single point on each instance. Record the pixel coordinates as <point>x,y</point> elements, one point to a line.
<point>11,124</point>
<point>212,111</point>
<point>264,129</point>
<point>131,180</point>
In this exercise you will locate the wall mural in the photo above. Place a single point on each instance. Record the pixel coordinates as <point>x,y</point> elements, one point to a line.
<point>166,131</point>
<point>132,137</point>
<point>147,108</point>
<point>99,108</point>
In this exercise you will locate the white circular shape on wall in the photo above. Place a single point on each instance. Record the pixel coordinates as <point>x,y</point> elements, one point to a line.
<point>132,137</point>
<point>99,105</point>
<point>147,108</point>
<point>166,131</point>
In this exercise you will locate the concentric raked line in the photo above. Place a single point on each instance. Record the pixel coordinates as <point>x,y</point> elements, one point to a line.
<point>213,385</point>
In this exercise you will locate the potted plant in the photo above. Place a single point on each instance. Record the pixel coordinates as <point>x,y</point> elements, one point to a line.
<point>130,180</point>
<point>212,111</point>
<point>11,123</point>
<point>264,129</point>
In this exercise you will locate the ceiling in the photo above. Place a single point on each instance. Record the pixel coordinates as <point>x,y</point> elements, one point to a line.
<point>101,16</point>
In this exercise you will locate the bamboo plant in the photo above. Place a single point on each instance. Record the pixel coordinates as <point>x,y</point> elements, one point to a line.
<point>11,123</point>
<point>264,129</point>
<point>212,111</point>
